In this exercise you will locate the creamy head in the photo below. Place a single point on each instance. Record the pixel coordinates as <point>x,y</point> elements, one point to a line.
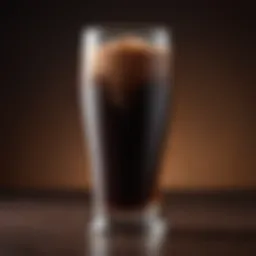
<point>126,62</point>
<point>123,65</point>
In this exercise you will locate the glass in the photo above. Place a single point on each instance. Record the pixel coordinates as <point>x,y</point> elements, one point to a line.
<point>125,103</point>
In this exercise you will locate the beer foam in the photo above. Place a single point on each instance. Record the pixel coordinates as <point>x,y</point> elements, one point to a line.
<point>125,62</point>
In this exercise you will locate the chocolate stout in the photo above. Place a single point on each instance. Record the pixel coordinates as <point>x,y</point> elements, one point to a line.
<point>131,78</point>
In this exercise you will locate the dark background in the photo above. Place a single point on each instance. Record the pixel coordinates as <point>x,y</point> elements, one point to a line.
<point>213,131</point>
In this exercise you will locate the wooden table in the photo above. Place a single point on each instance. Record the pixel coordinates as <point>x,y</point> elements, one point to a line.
<point>202,224</point>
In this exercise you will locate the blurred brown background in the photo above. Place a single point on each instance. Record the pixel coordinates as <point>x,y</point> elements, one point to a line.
<point>212,144</point>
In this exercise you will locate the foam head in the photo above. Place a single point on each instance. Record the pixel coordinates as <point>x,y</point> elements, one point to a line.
<point>126,62</point>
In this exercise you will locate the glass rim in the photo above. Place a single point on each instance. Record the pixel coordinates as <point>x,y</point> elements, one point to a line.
<point>115,26</point>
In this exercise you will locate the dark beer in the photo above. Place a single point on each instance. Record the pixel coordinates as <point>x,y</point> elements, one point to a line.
<point>133,112</point>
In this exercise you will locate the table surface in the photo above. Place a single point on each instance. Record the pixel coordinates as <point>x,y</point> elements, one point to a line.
<point>201,224</point>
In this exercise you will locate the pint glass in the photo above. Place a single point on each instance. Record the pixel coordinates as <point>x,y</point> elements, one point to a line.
<point>124,96</point>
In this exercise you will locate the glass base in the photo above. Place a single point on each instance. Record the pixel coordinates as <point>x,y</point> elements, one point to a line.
<point>130,233</point>
<point>135,222</point>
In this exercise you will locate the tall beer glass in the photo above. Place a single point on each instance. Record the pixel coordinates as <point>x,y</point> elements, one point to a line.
<point>125,103</point>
